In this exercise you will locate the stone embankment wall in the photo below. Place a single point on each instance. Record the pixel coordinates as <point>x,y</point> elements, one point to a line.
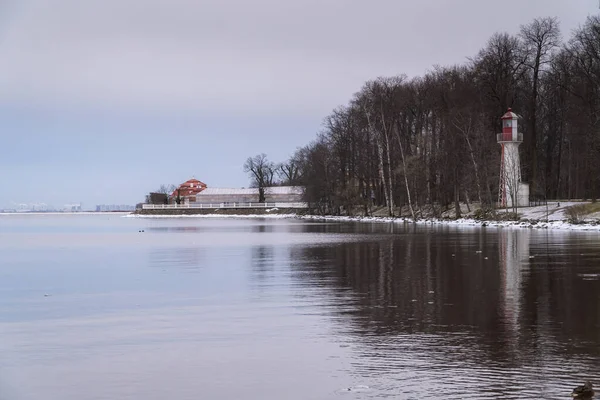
<point>221,211</point>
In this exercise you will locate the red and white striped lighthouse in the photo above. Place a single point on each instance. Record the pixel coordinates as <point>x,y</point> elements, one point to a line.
<point>512,192</point>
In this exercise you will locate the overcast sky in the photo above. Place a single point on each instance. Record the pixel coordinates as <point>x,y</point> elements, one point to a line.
<point>102,101</point>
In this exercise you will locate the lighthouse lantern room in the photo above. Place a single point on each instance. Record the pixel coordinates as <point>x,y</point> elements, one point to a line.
<point>512,192</point>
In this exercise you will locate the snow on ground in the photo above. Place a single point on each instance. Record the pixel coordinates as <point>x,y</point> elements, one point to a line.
<point>555,211</point>
<point>551,224</point>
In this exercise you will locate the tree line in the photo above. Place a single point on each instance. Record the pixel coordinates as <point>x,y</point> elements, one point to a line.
<point>429,142</point>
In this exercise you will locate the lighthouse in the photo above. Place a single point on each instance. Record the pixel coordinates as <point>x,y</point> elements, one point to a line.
<point>512,192</point>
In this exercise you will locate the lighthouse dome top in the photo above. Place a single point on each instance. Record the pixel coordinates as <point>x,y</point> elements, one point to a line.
<point>510,115</point>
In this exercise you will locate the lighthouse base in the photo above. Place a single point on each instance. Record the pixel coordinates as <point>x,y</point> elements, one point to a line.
<point>523,195</point>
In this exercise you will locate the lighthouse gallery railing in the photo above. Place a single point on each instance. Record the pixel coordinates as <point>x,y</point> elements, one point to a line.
<point>508,137</point>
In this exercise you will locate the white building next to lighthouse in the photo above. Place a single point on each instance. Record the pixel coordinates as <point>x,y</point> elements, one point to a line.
<point>512,192</point>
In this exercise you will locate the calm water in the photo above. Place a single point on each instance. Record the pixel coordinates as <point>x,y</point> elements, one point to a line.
<point>91,308</point>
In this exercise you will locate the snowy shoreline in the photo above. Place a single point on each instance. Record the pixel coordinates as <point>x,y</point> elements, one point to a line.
<point>523,224</point>
<point>527,224</point>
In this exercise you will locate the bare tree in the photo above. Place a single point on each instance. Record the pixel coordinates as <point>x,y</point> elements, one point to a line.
<point>261,172</point>
<point>540,38</point>
<point>171,191</point>
<point>404,169</point>
<point>289,171</point>
<point>156,197</point>
<point>377,100</point>
<point>584,48</point>
<point>166,189</point>
<point>499,68</point>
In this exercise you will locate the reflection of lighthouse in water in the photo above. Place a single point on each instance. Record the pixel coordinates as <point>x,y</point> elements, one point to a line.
<point>513,246</point>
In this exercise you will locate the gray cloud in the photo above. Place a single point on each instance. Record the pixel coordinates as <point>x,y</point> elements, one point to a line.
<point>261,56</point>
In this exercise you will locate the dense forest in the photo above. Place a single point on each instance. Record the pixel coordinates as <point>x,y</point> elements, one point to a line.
<point>430,142</point>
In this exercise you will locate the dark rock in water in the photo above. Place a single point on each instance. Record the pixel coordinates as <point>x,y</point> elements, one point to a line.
<point>583,392</point>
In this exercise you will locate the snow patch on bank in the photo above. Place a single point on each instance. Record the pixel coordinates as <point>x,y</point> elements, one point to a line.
<point>554,211</point>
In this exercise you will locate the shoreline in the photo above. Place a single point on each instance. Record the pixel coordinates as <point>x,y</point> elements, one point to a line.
<point>522,224</point>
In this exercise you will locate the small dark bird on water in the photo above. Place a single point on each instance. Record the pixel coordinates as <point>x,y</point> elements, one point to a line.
<point>583,392</point>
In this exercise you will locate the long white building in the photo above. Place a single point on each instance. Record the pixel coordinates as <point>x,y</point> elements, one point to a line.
<point>274,194</point>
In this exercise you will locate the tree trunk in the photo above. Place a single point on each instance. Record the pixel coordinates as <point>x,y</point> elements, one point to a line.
<point>559,163</point>
<point>390,179</point>
<point>473,161</point>
<point>380,156</point>
<point>412,211</point>
<point>389,167</point>
<point>533,125</point>
<point>382,172</point>
<point>456,196</point>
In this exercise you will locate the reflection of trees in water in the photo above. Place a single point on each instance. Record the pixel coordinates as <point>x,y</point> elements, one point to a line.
<point>262,228</point>
<point>262,261</point>
<point>510,306</point>
<point>262,258</point>
<point>559,301</point>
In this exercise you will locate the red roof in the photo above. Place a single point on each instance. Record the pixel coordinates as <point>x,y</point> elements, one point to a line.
<point>189,188</point>
<point>510,115</point>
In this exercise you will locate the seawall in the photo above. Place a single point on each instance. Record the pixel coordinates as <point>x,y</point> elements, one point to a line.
<point>221,211</point>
